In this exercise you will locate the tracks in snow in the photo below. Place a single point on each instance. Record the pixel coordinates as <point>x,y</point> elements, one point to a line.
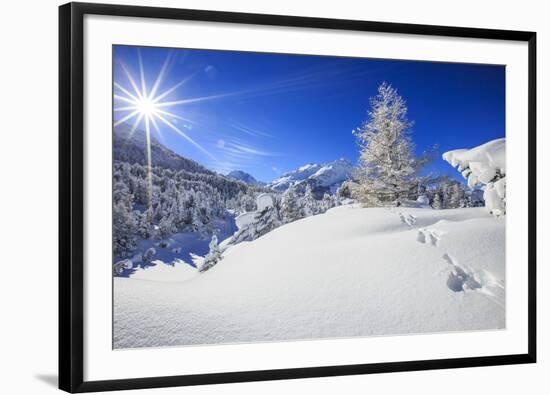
<point>407,219</point>
<point>460,278</point>
<point>429,236</point>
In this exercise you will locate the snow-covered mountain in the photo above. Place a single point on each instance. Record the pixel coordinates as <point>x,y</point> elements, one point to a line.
<point>328,176</point>
<point>132,149</point>
<point>244,177</point>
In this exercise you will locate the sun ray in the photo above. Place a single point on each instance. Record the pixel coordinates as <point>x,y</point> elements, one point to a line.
<point>128,108</point>
<point>160,77</point>
<point>172,89</point>
<point>172,115</point>
<point>123,90</point>
<point>135,125</point>
<point>149,169</point>
<point>142,75</point>
<point>133,130</point>
<point>197,99</point>
<point>157,129</point>
<point>184,135</point>
<point>130,78</point>
<point>118,97</point>
<point>127,117</point>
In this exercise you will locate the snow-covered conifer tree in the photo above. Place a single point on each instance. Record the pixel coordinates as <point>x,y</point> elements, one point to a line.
<point>308,204</point>
<point>290,209</point>
<point>328,202</point>
<point>387,167</point>
<point>456,196</point>
<point>437,200</point>
<point>214,255</point>
<point>125,224</point>
<point>148,255</point>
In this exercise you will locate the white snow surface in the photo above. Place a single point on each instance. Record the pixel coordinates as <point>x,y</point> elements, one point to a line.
<point>349,272</point>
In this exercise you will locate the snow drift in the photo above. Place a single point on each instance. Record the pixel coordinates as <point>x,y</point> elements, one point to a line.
<point>485,165</point>
<point>349,272</point>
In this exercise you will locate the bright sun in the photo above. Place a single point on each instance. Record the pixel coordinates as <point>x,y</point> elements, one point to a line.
<point>146,107</point>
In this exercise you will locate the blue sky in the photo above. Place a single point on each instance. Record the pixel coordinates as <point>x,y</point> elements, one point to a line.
<point>270,113</point>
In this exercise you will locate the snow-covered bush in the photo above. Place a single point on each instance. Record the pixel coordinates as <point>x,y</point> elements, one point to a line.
<point>484,165</point>
<point>148,255</point>
<point>119,267</point>
<point>256,224</point>
<point>272,213</point>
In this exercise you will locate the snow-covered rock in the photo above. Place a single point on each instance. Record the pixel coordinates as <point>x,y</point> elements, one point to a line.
<point>329,175</point>
<point>423,200</point>
<point>264,201</point>
<point>244,219</point>
<point>349,272</point>
<point>484,165</point>
<point>489,155</point>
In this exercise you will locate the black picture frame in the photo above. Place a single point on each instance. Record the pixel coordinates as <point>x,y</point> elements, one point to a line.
<point>71,196</point>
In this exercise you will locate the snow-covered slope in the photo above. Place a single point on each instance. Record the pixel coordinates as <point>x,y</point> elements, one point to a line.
<point>349,272</point>
<point>244,177</point>
<point>131,148</point>
<point>328,175</point>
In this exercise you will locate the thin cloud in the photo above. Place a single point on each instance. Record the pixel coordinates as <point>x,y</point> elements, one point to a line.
<point>254,132</point>
<point>245,149</point>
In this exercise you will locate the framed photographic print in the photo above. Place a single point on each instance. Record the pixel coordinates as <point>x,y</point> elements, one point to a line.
<point>253,197</point>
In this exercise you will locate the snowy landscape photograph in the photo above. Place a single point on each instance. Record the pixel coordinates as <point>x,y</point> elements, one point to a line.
<point>264,197</point>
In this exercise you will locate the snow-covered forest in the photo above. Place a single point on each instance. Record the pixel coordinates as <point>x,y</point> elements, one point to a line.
<point>231,256</point>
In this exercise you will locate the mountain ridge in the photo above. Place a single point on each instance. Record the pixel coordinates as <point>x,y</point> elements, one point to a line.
<point>245,177</point>
<point>132,149</point>
<point>327,176</point>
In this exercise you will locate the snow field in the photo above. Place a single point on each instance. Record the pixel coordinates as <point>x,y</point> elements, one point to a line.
<point>349,272</point>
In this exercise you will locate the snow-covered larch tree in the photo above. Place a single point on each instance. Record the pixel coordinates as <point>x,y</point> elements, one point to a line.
<point>388,170</point>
